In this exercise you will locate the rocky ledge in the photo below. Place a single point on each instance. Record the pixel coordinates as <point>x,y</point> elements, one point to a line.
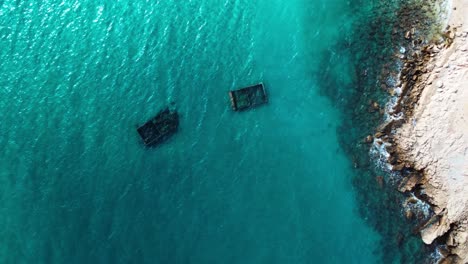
<point>426,136</point>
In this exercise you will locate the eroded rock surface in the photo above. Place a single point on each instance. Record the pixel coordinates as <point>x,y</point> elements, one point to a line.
<point>435,139</point>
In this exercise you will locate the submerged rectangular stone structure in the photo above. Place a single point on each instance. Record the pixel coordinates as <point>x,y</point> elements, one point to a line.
<point>159,128</point>
<point>248,97</point>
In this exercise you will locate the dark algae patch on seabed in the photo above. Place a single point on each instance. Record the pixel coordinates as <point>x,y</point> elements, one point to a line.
<point>373,54</point>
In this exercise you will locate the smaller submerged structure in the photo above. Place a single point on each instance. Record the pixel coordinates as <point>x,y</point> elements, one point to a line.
<point>159,128</point>
<point>248,97</point>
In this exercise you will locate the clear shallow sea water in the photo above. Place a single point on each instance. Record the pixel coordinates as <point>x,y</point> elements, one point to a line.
<point>270,185</point>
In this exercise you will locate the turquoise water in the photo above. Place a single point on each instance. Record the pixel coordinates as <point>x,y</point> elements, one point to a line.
<point>271,185</point>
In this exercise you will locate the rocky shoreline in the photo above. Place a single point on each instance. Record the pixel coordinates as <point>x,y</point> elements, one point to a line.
<point>393,49</point>
<point>438,215</point>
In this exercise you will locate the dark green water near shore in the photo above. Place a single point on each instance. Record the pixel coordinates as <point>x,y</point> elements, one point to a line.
<point>377,48</point>
<point>272,185</point>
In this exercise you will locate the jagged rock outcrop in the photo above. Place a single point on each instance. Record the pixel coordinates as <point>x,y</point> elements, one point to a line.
<point>435,140</point>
